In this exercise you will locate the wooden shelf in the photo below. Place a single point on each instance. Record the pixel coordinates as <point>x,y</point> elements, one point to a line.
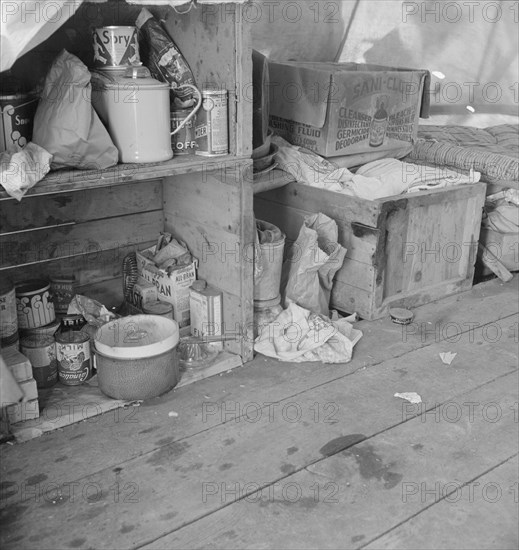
<point>74,180</point>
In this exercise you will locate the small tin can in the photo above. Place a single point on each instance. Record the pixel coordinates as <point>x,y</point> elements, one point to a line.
<point>164,309</point>
<point>115,46</point>
<point>8,315</point>
<point>183,142</point>
<point>41,352</point>
<point>63,290</point>
<point>212,124</point>
<point>401,316</point>
<point>74,357</point>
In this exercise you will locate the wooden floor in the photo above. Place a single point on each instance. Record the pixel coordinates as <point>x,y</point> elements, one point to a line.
<point>275,455</point>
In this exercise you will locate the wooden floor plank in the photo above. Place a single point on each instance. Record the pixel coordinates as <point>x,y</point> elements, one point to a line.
<point>491,499</point>
<point>346,500</point>
<point>161,490</point>
<point>260,381</point>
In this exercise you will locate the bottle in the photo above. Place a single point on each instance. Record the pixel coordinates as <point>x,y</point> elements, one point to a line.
<point>377,132</point>
<point>205,304</point>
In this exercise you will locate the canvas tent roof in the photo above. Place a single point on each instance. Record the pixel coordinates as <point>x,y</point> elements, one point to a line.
<point>470,47</point>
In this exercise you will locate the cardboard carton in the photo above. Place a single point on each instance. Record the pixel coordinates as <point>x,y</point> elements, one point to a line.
<point>173,288</point>
<point>339,109</point>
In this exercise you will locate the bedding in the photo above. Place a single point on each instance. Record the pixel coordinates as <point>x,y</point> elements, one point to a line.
<point>493,151</point>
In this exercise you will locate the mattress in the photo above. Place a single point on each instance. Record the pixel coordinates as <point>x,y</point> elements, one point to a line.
<point>493,151</point>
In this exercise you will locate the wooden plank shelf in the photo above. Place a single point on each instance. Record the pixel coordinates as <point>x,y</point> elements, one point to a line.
<point>73,180</point>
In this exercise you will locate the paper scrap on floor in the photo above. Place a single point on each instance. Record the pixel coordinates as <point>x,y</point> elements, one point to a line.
<point>410,396</point>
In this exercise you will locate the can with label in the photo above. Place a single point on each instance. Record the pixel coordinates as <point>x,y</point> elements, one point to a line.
<point>34,304</point>
<point>74,357</point>
<point>16,119</point>
<point>212,124</point>
<point>205,305</point>
<point>183,142</point>
<point>63,290</point>
<point>8,315</point>
<point>115,46</point>
<point>41,352</point>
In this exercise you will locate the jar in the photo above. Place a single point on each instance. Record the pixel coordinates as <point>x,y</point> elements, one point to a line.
<point>265,312</point>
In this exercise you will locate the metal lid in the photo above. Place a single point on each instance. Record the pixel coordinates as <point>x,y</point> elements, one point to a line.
<point>401,316</point>
<point>136,76</point>
<point>199,285</point>
<point>158,308</point>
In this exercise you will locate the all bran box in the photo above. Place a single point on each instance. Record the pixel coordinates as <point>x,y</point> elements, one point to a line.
<point>339,109</point>
<point>173,288</point>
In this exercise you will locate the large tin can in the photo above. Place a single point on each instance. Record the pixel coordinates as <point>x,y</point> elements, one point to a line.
<point>8,315</point>
<point>115,46</point>
<point>41,352</point>
<point>74,357</point>
<point>212,124</point>
<point>16,119</point>
<point>34,304</point>
<point>183,142</point>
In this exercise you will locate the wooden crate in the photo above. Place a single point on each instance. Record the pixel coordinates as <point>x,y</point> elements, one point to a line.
<point>402,251</point>
<point>505,246</point>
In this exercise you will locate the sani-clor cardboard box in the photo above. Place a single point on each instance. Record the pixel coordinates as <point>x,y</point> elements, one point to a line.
<point>343,109</point>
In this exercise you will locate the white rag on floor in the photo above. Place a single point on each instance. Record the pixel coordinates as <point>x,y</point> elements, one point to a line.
<point>297,335</point>
<point>374,180</point>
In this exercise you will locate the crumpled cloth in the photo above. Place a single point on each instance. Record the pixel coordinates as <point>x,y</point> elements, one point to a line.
<point>23,169</point>
<point>501,212</point>
<point>297,335</point>
<point>374,180</point>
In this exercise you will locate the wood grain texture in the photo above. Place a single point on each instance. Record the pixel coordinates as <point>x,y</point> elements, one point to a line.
<point>418,246</point>
<point>80,206</point>
<point>73,180</point>
<point>30,247</point>
<point>128,433</point>
<point>87,268</point>
<point>233,452</point>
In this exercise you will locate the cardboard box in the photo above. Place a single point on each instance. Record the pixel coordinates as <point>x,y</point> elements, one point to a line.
<point>18,364</point>
<point>142,293</point>
<point>173,288</point>
<point>339,109</point>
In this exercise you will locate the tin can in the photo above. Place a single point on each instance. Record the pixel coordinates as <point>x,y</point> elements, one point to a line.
<point>8,315</point>
<point>63,290</point>
<point>34,304</point>
<point>205,306</point>
<point>212,124</point>
<point>74,357</point>
<point>41,352</point>
<point>164,309</point>
<point>115,46</point>
<point>183,142</point>
<point>72,322</point>
<point>16,119</point>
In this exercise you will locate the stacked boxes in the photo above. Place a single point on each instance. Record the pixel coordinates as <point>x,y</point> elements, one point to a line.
<point>21,370</point>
